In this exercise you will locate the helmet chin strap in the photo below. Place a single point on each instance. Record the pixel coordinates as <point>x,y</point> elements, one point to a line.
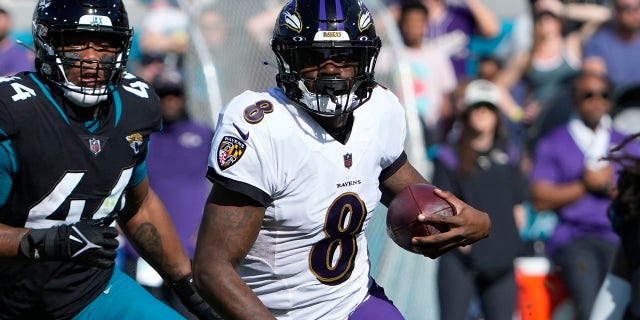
<point>84,100</point>
<point>334,98</point>
<point>81,96</point>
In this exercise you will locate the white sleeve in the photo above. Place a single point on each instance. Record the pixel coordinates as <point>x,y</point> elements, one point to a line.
<point>392,126</point>
<point>239,157</point>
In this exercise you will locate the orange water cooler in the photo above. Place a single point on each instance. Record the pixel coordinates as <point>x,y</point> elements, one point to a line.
<point>541,293</point>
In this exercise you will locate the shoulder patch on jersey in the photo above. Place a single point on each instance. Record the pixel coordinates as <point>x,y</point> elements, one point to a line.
<point>135,141</point>
<point>230,151</point>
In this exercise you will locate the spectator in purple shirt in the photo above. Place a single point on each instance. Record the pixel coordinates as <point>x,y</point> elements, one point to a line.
<point>569,177</point>
<point>613,48</point>
<point>13,57</point>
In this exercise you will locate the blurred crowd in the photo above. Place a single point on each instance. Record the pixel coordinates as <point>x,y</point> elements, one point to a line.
<point>517,113</point>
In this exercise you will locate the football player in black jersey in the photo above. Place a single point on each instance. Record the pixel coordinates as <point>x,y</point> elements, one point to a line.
<point>74,136</point>
<point>619,295</point>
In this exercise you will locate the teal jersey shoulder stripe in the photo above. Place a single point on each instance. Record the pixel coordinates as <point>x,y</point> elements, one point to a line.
<point>118,105</point>
<point>47,93</point>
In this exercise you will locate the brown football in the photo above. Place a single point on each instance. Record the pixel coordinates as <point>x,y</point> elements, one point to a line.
<point>402,214</point>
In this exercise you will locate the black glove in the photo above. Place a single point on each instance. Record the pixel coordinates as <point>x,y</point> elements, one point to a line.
<point>83,242</point>
<point>186,291</point>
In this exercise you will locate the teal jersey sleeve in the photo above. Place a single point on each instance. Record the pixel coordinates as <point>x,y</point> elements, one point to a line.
<point>140,170</point>
<point>139,173</point>
<point>7,169</point>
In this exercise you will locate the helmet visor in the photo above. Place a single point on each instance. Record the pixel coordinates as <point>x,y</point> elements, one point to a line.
<point>313,57</point>
<point>306,57</point>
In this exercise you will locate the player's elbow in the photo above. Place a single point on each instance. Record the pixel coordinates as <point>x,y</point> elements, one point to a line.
<point>203,278</point>
<point>199,280</point>
<point>209,271</point>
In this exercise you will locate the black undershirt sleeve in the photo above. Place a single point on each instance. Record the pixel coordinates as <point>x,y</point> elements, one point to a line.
<point>246,189</point>
<point>395,166</point>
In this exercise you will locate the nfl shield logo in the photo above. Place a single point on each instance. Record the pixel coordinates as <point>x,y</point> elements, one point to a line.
<point>348,161</point>
<point>94,146</point>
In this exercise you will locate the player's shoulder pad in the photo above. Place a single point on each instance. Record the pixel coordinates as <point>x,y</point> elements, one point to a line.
<point>19,88</point>
<point>135,86</point>
<point>387,102</point>
<point>137,91</point>
<point>8,82</point>
<point>129,78</point>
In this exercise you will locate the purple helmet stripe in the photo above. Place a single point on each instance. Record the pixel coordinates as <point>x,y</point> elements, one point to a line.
<point>339,14</point>
<point>335,12</point>
<point>322,15</point>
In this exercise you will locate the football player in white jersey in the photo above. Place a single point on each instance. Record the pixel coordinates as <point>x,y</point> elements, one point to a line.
<point>297,172</point>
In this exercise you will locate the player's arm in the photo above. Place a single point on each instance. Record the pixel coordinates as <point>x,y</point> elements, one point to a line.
<point>229,228</point>
<point>10,237</point>
<point>148,227</point>
<point>397,177</point>
<point>466,227</point>
<point>151,232</point>
<point>98,248</point>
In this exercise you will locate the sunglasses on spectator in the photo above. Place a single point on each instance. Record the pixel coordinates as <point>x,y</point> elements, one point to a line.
<point>592,94</point>
<point>627,8</point>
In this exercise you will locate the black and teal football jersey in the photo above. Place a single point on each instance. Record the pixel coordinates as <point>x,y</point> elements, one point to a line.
<point>62,172</point>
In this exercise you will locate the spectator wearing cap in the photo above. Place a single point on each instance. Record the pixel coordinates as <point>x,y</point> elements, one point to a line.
<point>485,89</point>
<point>13,57</point>
<point>176,166</point>
<point>570,178</point>
<point>481,156</point>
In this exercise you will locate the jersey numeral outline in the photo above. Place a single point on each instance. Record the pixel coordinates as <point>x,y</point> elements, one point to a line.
<point>255,112</point>
<point>331,259</point>
<point>39,215</point>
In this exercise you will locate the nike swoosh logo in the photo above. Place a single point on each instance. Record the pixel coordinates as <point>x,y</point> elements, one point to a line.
<point>107,290</point>
<point>244,136</point>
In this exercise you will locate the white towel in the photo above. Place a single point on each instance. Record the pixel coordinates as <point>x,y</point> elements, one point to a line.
<point>593,144</point>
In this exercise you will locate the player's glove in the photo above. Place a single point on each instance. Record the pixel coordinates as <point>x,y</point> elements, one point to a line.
<point>83,242</point>
<point>186,291</point>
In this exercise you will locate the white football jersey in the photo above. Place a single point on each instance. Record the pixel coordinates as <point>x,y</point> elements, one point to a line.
<point>310,259</point>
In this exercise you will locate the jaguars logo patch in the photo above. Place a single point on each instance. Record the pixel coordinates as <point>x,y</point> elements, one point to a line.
<point>230,151</point>
<point>135,142</point>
